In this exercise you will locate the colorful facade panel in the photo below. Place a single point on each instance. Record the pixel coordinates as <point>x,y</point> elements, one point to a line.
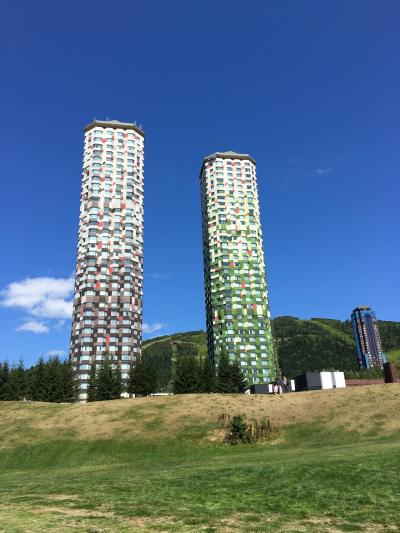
<point>237,310</point>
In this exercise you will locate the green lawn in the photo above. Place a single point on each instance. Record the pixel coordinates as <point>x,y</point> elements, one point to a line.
<point>313,479</point>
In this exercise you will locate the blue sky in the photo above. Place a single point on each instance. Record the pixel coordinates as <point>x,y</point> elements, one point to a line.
<point>310,89</point>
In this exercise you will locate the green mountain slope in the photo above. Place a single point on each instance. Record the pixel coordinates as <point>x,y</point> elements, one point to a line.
<point>302,345</point>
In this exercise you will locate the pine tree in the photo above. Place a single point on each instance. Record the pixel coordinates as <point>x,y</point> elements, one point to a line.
<point>69,381</point>
<point>51,381</point>
<point>92,387</point>
<point>54,380</point>
<point>230,377</point>
<point>37,382</point>
<point>238,379</point>
<point>132,379</point>
<point>117,382</point>
<point>17,382</point>
<point>207,376</point>
<point>224,373</point>
<point>186,378</point>
<point>105,384</point>
<point>4,381</point>
<point>143,378</point>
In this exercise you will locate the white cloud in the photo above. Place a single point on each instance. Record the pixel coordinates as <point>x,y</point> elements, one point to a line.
<point>160,275</point>
<point>151,328</point>
<point>53,353</point>
<point>34,326</point>
<point>53,308</point>
<point>43,297</point>
<point>322,171</point>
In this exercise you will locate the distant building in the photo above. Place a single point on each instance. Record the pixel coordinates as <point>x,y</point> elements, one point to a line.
<point>107,310</point>
<point>368,340</point>
<point>237,309</point>
<point>320,380</point>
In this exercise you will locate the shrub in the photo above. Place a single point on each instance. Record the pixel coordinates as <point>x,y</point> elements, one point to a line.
<point>239,431</point>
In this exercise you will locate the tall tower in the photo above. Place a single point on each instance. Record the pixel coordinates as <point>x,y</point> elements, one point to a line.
<point>237,311</point>
<point>367,337</point>
<point>107,308</point>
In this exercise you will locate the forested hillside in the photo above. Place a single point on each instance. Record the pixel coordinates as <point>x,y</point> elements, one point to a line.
<point>302,345</point>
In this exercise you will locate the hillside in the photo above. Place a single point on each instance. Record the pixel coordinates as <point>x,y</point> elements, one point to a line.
<point>158,464</point>
<point>303,345</point>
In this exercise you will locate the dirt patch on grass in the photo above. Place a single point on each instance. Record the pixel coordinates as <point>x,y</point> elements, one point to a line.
<point>62,497</point>
<point>327,525</point>
<point>64,520</point>
<point>73,511</point>
<point>144,522</point>
<point>278,524</point>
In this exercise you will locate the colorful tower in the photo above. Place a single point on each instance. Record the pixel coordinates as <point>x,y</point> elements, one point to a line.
<point>107,309</point>
<point>237,311</point>
<point>367,337</point>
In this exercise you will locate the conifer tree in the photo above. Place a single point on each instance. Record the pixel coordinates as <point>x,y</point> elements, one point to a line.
<point>207,376</point>
<point>92,387</point>
<point>131,385</point>
<point>186,378</point>
<point>118,386</point>
<point>238,379</point>
<point>50,381</point>
<point>4,381</point>
<point>230,377</point>
<point>224,373</point>
<point>105,384</point>
<point>38,381</point>
<point>54,380</point>
<point>17,382</point>
<point>143,378</point>
<point>69,381</point>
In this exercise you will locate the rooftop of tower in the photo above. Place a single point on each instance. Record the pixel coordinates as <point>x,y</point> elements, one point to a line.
<point>362,308</point>
<point>226,155</point>
<point>229,155</point>
<point>114,124</point>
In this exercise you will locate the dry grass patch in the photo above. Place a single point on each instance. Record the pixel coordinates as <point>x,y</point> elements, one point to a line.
<point>28,423</point>
<point>57,519</point>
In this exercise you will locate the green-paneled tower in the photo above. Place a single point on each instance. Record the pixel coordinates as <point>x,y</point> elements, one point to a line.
<point>237,310</point>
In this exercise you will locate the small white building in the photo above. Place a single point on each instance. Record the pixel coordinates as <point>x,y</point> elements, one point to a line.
<point>320,380</point>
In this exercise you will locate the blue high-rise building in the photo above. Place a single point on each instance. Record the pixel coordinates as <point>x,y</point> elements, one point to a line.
<point>367,337</point>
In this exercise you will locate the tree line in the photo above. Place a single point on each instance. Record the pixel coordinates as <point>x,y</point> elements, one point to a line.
<point>54,380</point>
<point>47,381</point>
<point>189,375</point>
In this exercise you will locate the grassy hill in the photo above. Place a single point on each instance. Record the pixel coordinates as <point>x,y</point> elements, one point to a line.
<point>303,345</point>
<point>158,464</point>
